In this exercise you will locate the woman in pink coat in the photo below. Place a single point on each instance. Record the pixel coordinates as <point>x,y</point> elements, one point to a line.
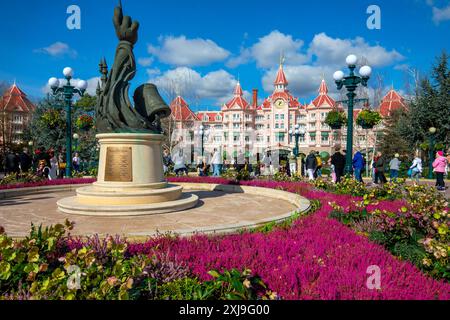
<point>439,166</point>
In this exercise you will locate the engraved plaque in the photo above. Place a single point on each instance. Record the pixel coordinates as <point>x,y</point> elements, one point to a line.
<point>118,166</point>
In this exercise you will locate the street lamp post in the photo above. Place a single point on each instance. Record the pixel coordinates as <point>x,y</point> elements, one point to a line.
<point>296,134</point>
<point>75,138</point>
<point>351,82</point>
<point>202,133</point>
<point>67,92</point>
<point>432,132</point>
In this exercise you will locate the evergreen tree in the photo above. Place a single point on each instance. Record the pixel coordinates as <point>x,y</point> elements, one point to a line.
<point>430,108</point>
<point>391,141</point>
<point>86,103</point>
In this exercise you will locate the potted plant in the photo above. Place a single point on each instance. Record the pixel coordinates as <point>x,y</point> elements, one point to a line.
<point>336,119</point>
<point>85,122</point>
<point>368,119</point>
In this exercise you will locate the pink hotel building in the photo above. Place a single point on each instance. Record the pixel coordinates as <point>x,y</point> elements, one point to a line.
<point>253,129</point>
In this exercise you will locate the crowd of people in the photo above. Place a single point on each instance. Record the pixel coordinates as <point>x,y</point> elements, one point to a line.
<point>44,164</point>
<point>379,166</point>
<point>48,165</point>
<point>312,166</point>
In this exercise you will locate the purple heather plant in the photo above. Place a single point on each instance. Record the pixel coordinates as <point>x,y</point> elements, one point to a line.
<point>57,182</point>
<point>316,258</point>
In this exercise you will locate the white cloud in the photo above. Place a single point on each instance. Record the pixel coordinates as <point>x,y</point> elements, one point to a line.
<point>216,85</point>
<point>145,62</point>
<point>333,51</point>
<point>266,52</point>
<point>180,51</point>
<point>92,85</point>
<point>440,15</point>
<point>304,80</point>
<point>58,49</point>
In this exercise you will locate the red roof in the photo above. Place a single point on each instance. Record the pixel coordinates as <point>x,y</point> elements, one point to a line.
<point>281,77</point>
<point>181,111</point>
<point>238,99</point>
<point>15,100</point>
<point>210,116</point>
<point>391,101</point>
<point>283,94</point>
<point>323,98</point>
<point>323,89</point>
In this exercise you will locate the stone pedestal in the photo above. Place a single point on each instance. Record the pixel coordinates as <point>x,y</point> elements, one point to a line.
<point>130,180</point>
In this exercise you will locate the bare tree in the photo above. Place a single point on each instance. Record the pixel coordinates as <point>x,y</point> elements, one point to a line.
<point>378,89</point>
<point>179,85</point>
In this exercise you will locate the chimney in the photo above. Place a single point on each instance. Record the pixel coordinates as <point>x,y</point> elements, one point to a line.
<point>255,98</point>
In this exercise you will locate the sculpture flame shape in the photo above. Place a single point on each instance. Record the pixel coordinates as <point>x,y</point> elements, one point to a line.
<point>114,110</point>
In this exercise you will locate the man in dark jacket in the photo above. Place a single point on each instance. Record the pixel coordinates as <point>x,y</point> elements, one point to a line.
<point>379,169</point>
<point>11,163</point>
<point>311,164</point>
<point>338,161</point>
<point>25,161</point>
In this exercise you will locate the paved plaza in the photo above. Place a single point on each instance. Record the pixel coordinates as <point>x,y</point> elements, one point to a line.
<point>216,211</point>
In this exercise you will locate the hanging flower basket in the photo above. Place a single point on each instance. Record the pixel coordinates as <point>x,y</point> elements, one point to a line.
<point>85,122</point>
<point>368,119</point>
<point>336,119</point>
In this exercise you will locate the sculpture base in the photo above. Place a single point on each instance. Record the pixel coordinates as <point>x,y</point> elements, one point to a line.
<point>72,205</point>
<point>130,180</point>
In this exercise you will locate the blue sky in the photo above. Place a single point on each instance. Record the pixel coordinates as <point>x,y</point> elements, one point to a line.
<point>200,48</point>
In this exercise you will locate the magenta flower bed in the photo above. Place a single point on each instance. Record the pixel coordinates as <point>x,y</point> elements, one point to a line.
<point>317,258</point>
<point>57,182</point>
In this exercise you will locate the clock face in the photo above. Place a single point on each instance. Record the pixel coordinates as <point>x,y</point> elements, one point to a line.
<point>279,103</point>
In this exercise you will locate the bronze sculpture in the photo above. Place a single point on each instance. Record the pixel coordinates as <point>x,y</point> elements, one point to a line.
<point>114,111</point>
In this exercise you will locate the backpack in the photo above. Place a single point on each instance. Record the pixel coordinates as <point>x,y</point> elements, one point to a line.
<point>319,161</point>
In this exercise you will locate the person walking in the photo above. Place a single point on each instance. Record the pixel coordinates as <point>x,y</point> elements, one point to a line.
<point>202,167</point>
<point>292,164</point>
<point>42,170</point>
<point>338,161</point>
<point>379,167</point>
<point>216,162</point>
<point>12,164</point>
<point>76,162</point>
<point>25,161</point>
<point>318,172</point>
<point>167,160</point>
<point>61,166</point>
<point>416,168</point>
<point>53,172</point>
<point>394,166</point>
<point>358,165</point>
<point>311,165</point>
<point>179,165</point>
<point>439,166</point>
<point>267,161</point>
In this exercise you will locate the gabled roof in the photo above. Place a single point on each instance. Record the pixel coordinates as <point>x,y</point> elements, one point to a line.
<point>15,100</point>
<point>323,99</point>
<point>238,99</point>
<point>281,77</point>
<point>391,101</point>
<point>210,116</point>
<point>181,111</point>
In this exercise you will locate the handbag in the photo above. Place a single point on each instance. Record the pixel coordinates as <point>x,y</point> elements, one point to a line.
<point>409,172</point>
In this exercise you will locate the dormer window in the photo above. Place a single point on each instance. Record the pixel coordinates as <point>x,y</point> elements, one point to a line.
<point>205,118</point>
<point>218,118</point>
